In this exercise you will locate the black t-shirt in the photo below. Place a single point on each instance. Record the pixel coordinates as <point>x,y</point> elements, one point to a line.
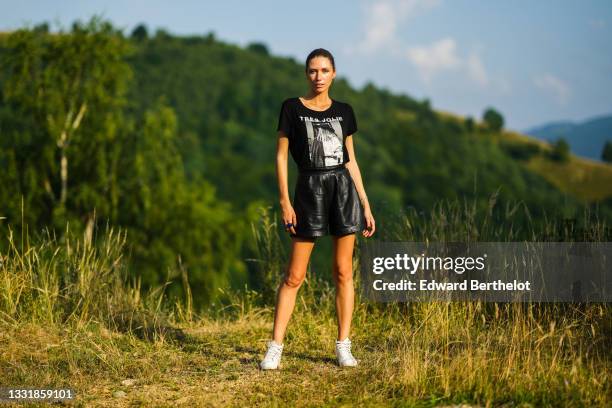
<point>317,138</point>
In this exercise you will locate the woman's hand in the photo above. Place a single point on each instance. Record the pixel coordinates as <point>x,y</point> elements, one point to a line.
<point>289,217</point>
<point>370,223</point>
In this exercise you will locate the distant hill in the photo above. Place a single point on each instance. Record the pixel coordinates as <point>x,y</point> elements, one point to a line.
<point>586,138</point>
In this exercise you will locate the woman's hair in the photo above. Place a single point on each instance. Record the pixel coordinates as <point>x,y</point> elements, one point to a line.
<point>320,52</point>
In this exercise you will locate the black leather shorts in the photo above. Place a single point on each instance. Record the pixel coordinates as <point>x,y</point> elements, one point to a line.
<point>326,202</point>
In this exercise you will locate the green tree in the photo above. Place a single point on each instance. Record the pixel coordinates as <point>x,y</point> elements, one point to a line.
<point>606,153</point>
<point>493,119</point>
<point>63,96</point>
<point>77,153</point>
<point>469,124</point>
<point>140,33</point>
<point>42,27</point>
<point>259,48</point>
<point>170,217</point>
<point>561,150</point>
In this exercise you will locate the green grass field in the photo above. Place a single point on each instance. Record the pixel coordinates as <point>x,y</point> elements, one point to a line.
<point>430,355</point>
<point>70,317</point>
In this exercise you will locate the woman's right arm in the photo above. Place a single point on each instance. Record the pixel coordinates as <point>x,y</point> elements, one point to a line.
<point>282,156</point>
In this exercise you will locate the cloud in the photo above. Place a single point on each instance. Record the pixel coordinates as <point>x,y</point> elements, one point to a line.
<point>439,56</point>
<point>550,83</point>
<point>442,56</point>
<point>381,26</point>
<point>476,70</point>
<point>504,86</point>
<point>382,20</point>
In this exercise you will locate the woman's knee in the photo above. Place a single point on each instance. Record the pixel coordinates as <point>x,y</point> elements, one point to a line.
<point>294,278</point>
<point>344,274</point>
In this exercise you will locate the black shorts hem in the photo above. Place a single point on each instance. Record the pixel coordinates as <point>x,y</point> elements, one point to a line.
<point>346,231</point>
<point>309,234</point>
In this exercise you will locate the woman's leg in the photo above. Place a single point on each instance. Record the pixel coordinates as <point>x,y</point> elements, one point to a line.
<point>343,277</point>
<point>301,248</point>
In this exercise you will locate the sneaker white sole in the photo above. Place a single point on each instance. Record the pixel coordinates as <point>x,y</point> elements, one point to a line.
<point>269,368</point>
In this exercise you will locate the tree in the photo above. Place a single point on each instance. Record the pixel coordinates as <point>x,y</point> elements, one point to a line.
<point>259,48</point>
<point>42,28</point>
<point>493,119</point>
<point>140,33</point>
<point>606,154</point>
<point>63,96</point>
<point>168,216</point>
<point>72,147</point>
<point>162,34</point>
<point>561,150</point>
<point>469,124</point>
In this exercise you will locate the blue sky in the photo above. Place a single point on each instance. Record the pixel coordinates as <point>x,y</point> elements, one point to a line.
<point>533,61</point>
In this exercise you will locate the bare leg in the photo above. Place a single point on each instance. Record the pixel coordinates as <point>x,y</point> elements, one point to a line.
<point>343,277</point>
<point>301,249</point>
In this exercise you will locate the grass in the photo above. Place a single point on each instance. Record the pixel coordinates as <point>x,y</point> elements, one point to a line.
<point>586,179</point>
<point>71,315</point>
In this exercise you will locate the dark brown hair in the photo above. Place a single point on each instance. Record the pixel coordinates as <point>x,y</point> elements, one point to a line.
<point>320,52</point>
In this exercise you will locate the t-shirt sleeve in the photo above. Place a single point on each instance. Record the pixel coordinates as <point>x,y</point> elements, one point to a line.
<point>351,124</point>
<point>284,120</point>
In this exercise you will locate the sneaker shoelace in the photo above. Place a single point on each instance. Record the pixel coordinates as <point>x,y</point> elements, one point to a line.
<point>344,346</point>
<point>274,352</point>
<point>344,351</point>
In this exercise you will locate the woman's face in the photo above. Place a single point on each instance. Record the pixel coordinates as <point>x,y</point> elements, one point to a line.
<point>320,73</point>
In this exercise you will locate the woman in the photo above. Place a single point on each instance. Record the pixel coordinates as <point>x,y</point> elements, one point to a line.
<point>329,198</point>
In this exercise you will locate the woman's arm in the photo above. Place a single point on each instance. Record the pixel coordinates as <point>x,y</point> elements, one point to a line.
<point>282,148</point>
<point>353,168</point>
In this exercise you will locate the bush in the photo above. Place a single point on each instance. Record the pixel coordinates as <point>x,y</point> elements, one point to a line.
<point>561,151</point>
<point>469,124</point>
<point>520,150</point>
<point>493,119</point>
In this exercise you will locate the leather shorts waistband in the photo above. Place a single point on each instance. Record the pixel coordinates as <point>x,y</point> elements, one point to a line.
<point>336,168</point>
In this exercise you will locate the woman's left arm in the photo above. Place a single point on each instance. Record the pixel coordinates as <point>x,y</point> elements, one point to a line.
<point>353,168</point>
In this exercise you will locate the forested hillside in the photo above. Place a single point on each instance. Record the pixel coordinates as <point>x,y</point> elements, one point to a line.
<point>227,102</point>
<point>173,139</point>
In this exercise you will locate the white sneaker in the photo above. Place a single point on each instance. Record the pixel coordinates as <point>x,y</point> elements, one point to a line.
<point>273,356</point>
<point>343,353</point>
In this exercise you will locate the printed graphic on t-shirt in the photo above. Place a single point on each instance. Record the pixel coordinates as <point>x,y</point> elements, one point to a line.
<point>324,141</point>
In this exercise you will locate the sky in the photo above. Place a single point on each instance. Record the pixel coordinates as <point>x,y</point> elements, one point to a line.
<point>533,61</point>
